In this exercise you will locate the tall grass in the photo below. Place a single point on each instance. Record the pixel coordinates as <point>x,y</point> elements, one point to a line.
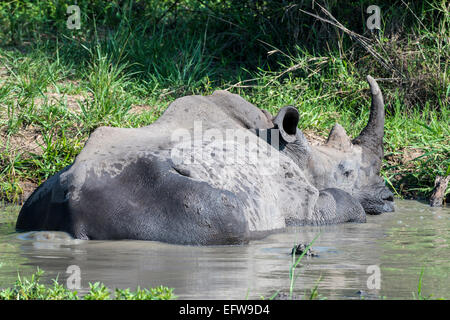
<point>107,83</point>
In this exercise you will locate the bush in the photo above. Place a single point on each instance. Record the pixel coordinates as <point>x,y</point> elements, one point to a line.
<point>32,289</point>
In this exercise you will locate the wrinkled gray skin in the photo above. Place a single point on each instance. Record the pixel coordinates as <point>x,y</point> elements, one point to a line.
<point>130,183</point>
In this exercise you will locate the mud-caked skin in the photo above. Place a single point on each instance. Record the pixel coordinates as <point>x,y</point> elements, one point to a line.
<point>184,180</point>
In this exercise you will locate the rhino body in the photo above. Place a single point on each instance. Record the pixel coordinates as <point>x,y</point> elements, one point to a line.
<point>213,170</point>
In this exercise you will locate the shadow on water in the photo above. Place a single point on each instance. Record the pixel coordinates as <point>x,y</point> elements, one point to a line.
<point>400,243</point>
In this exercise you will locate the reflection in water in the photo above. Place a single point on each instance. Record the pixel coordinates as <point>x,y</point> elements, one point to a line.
<point>401,243</point>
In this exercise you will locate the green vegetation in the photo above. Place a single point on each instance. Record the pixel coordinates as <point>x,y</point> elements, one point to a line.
<point>32,289</point>
<point>420,295</point>
<point>130,59</point>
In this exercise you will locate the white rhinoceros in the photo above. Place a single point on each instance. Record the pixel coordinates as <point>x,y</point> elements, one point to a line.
<point>213,170</point>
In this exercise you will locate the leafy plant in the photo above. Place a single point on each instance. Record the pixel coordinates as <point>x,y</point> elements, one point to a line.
<point>32,289</point>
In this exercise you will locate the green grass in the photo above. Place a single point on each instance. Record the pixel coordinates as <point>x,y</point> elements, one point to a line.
<point>420,295</point>
<point>33,289</point>
<point>58,85</point>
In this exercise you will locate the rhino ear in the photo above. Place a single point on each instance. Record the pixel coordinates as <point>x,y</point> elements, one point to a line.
<point>339,139</point>
<point>286,121</point>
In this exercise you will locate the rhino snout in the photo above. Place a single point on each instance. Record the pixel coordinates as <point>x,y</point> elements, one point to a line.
<point>376,200</point>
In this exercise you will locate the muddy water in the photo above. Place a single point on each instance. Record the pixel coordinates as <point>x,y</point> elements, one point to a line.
<point>401,244</point>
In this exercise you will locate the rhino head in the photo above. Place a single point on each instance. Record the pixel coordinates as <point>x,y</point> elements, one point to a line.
<point>343,163</point>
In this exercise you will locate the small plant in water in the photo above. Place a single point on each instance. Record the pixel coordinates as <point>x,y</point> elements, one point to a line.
<point>302,250</point>
<point>295,263</point>
<point>420,296</point>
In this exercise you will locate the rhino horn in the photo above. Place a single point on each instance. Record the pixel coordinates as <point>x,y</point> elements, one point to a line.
<point>287,120</point>
<point>371,137</point>
<point>339,139</point>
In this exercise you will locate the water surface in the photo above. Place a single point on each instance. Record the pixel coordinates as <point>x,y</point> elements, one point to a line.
<point>400,243</point>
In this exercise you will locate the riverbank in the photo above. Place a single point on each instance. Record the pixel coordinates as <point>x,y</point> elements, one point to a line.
<point>57,84</point>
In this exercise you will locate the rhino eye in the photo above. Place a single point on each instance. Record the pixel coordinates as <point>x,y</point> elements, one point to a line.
<point>348,173</point>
